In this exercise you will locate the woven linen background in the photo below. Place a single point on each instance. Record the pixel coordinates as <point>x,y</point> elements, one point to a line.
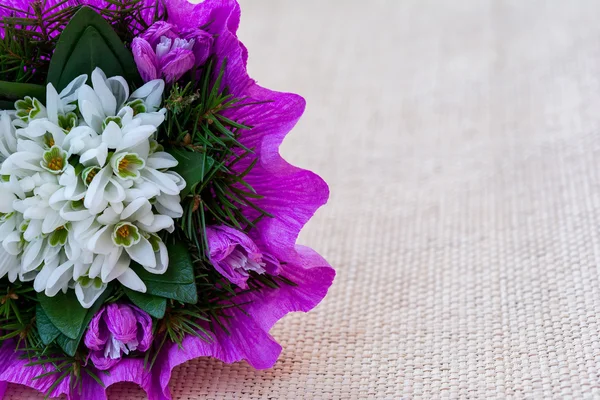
<point>461,140</point>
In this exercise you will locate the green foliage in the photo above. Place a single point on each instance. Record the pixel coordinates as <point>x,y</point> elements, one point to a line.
<point>64,311</point>
<point>206,143</point>
<point>153,305</point>
<point>89,42</point>
<point>68,317</point>
<point>16,91</point>
<point>17,314</point>
<point>178,283</point>
<point>192,166</point>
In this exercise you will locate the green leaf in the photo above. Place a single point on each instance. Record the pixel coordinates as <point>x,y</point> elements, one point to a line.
<point>153,305</point>
<point>190,167</point>
<point>46,329</point>
<point>178,283</point>
<point>87,42</point>
<point>7,105</point>
<point>70,345</point>
<point>65,312</point>
<point>16,91</point>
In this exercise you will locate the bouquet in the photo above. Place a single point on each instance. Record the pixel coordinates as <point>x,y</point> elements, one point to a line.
<point>146,216</point>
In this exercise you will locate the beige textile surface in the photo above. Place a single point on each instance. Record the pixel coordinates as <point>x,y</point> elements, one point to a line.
<point>461,141</point>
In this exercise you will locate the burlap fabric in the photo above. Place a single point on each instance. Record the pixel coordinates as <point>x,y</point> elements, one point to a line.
<point>462,144</point>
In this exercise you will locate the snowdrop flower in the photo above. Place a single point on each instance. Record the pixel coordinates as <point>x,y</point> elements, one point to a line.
<point>85,189</point>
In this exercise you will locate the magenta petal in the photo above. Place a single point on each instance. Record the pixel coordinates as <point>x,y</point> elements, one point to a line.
<point>160,28</point>
<point>101,362</point>
<point>202,46</point>
<point>13,370</point>
<point>130,370</point>
<point>176,63</point>
<point>144,331</point>
<point>223,239</point>
<point>248,337</point>
<point>96,336</point>
<point>121,322</point>
<point>222,242</point>
<point>145,58</point>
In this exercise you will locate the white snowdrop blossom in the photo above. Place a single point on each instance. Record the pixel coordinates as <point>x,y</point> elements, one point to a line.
<point>85,189</point>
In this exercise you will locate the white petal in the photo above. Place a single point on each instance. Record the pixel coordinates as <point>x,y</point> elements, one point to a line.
<point>6,201</point>
<point>151,118</point>
<point>118,268</point>
<point>114,192</point>
<point>151,93</point>
<point>119,88</point>
<point>32,255</point>
<point>25,160</point>
<point>130,280</point>
<point>178,179</point>
<point>138,208</point>
<point>162,259</point>
<point>109,217</point>
<point>96,266</point>
<point>91,107</point>
<point>95,156</point>
<point>95,194</point>
<point>7,227</point>
<point>52,103</point>
<point>169,205</point>
<point>108,100</point>
<point>34,229</point>
<point>101,242</point>
<point>69,94</point>
<point>143,254</point>
<point>59,279</point>
<point>80,269</point>
<point>88,295</point>
<point>41,280</point>
<point>161,160</point>
<point>136,136</point>
<point>117,207</point>
<point>112,135</point>
<point>160,222</point>
<point>69,214</point>
<point>145,189</point>
<point>52,221</point>
<point>12,244</point>
<point>9,264</point>
<point>164,183</point>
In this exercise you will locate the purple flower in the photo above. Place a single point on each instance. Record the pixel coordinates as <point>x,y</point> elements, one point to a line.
<point>234,255</point>
<point>115,330</point>
<point>164,51</point>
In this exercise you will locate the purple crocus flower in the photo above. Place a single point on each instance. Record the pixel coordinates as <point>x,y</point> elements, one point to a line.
<point>115,330</point>
<point>234,255</point>
<point>164,51</point>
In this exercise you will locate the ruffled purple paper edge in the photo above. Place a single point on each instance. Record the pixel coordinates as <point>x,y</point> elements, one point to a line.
<point>303,193</point>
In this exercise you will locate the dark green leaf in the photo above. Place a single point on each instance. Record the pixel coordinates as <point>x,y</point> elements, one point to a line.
<point>7,105</point>
<point>46,329</point>
<point>178,283</point>
<point>155,306</point>
<point>88,42</point>
<point>190,167</point>
<point>64,311</point>
<point>16,91</point>
<point>70,345</point>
